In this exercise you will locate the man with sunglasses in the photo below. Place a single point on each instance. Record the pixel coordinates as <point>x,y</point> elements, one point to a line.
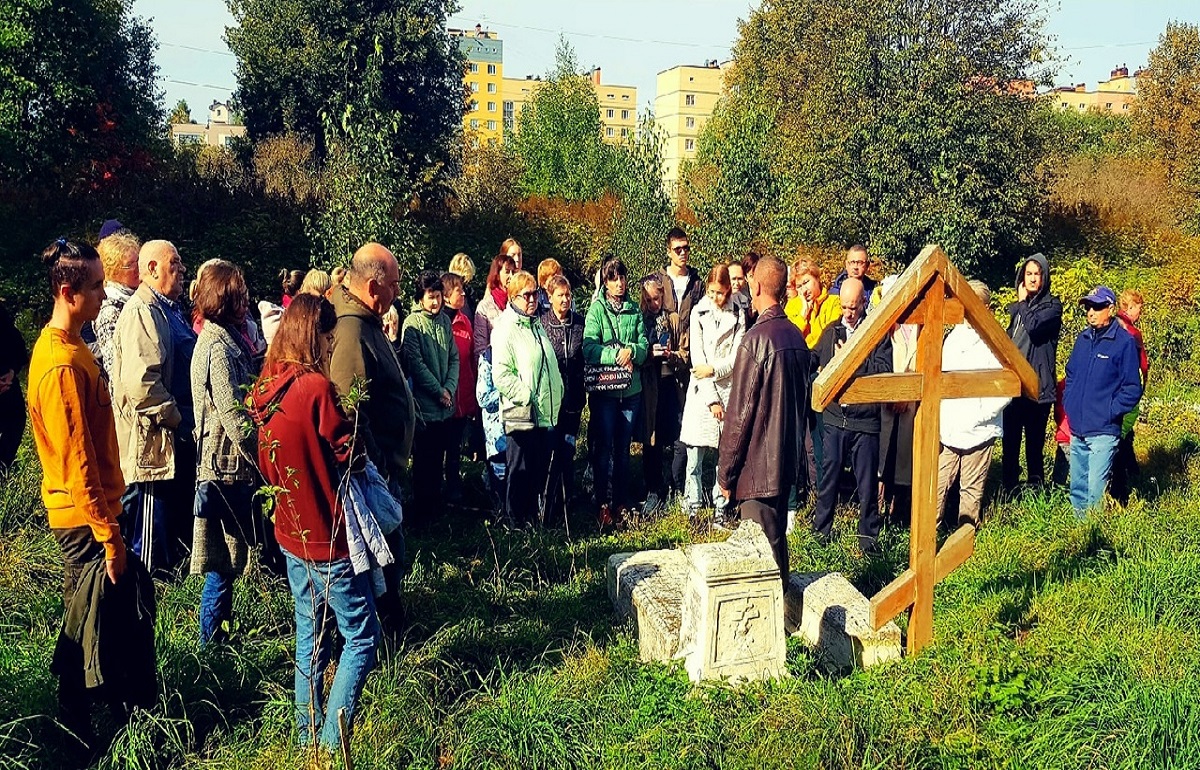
<point>1104,383</point>
<point>682,290</point>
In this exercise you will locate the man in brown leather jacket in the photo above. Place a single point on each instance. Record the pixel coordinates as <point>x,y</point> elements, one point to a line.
<point>757,453</point>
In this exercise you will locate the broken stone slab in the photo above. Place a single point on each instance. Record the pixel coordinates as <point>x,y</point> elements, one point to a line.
<point>732,620</point>
<point>648,586</point>
<point>831,615</point>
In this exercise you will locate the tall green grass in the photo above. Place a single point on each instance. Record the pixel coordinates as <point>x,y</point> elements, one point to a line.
<point>1058,645</point>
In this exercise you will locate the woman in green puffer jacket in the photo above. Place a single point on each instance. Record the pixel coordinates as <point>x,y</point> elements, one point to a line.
<point>526,375</point>
<point>614,334</point>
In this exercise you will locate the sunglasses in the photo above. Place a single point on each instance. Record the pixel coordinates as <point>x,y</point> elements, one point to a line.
<point>1095,305</point>
<point>682,249</point>
<point>528,295</point>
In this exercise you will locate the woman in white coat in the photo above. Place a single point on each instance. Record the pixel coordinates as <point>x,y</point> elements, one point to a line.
<point>717,327</point>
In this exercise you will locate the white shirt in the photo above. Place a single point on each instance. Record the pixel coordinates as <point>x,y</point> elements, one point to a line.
<point>680,284</point>
<point>968,423</point>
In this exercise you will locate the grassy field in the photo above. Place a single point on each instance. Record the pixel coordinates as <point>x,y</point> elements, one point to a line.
<point>1059,645</point>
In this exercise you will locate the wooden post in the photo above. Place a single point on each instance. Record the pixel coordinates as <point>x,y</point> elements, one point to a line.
<point>926,447</point>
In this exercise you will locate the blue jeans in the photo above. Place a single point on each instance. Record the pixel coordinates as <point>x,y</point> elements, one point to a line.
<point>614,418</point>
<point>1091,465</point>
<point>320,588</point>
<point>216,607</point>
<point>693,487</point>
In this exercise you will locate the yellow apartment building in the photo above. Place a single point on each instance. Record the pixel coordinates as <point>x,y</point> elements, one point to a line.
<point>1116,95</point>
<point>483,79</point>
<point>618,104</point>
<point>687,95</point>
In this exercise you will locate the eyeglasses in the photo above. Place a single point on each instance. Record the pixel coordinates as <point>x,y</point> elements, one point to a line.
<point>856,262</point>
<point>528,295</point>
<point>682,249</point>
<point>1095,305</point>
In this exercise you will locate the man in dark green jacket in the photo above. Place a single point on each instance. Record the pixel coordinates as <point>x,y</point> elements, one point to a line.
<point>384,422</point>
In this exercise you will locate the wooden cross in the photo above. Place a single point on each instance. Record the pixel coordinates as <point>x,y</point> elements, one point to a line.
<point>931,293</point>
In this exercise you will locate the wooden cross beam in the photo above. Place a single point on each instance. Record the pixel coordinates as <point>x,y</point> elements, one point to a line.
<point>932,294</point>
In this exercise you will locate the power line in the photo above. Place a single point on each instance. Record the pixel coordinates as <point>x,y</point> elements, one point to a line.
<point>226,89</point>
<point>1108,45</point>
<point>610,37</point>
<point>196,48</point>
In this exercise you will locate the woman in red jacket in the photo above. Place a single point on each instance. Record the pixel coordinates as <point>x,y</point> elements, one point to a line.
<point>304,447</point>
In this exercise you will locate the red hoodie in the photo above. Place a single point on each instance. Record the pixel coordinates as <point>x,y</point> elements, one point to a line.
<point>304,443</point>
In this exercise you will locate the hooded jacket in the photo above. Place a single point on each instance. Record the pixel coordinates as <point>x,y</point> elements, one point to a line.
<point>304,440</point>
<point>716,336</point>
<point>679,311</point>
<point>1035,325</point>
<point>361,350</point>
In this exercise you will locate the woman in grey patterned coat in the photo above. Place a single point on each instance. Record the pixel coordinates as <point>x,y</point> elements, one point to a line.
<point>225,525</point>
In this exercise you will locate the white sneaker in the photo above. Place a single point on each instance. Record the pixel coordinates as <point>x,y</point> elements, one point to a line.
<point>791,522</point>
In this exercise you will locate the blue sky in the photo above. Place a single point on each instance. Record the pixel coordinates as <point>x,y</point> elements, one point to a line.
<point>632,40</point>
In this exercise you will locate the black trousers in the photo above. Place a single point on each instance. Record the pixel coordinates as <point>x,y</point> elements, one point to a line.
<point>528,472</point>
<point>862,450</point>
<point>1125,470</point>
<point>12,424</point>
<point>668,421</point>
<point>79,549</point>
<point>771,515</point>
<point>1028,419</point>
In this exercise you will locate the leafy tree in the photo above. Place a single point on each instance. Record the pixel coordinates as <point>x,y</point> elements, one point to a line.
<point>891,122</point>
<point>559,135</point>
<point>1168,110</point>
<point>182,113</point>
<point>78,94</point>
<point>298,59</point>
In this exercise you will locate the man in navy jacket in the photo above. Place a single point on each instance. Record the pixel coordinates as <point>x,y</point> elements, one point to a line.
<point>1104,384</point>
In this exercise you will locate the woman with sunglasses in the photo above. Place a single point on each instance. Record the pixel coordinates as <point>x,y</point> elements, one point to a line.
<point>525,371</point>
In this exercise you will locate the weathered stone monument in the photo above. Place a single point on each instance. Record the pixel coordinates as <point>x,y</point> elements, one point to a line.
<point>834,618</point>
<point>717,606</point>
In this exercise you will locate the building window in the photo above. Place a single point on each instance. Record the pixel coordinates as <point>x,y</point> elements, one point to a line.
<point>491,106</point>
<point>491,69</point>
<point>474,123</point>
<point>491,88</point>
<point>1108,106</point>
<point>625,97</point>
<point>474,86</point>
<point>624,132</point>
<point>473,67</point>
<point>1125,106</point>
<point>612,96</point>
<point>689,122</point>
<point>689,100</point>
<point>608,131</point>
<point>1065,105</point>
<point>474,106</point>
<point>689,145</point>
<point>608,114</point>
<point>491,125</point>
<point>624,114</point>
<point>1082,106</point>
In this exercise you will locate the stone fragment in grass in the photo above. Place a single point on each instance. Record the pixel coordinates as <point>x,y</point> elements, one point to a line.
<point>648,585</point>
<point>831,615</point>
<point>733,613</point>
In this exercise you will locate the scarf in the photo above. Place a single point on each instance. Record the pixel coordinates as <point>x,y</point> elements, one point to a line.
<point>500,295</point>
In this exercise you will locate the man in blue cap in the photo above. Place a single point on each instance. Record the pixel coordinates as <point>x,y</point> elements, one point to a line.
<point>1103,384</point>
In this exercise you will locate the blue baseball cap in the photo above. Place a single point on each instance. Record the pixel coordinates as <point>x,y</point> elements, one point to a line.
<point>1101,295</point>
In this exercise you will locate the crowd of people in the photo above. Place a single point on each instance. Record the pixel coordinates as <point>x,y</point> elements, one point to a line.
<point>159,416</point>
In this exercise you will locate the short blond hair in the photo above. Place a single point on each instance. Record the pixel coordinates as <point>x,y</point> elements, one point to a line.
<point>461,265</point>
<point>316,282</point>
<point>520,281</point>
<point>115,251</point>
<point>1128,298</point>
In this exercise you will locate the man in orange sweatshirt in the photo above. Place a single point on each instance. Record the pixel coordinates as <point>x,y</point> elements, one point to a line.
<point>72,419</point>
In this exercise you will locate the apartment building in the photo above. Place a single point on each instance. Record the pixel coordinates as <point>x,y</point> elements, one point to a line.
<point>685,99</point>
<point>1115,95</point>
<point>482,79</point>
<point>218,132</point>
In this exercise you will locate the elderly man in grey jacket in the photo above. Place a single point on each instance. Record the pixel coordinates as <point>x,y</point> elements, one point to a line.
<point>152,396</point>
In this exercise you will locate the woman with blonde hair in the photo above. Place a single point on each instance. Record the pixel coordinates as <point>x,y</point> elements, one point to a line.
<point>525,371</point>
<point>317,283</point>
<point>464,267</point>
